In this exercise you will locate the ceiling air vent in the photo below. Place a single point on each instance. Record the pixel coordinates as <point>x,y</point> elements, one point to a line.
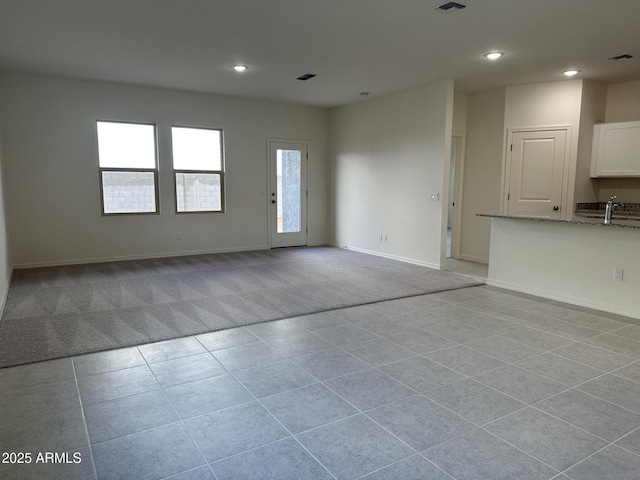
<point>306,76</point>
<point>621,57</point>
<point>449,7</point>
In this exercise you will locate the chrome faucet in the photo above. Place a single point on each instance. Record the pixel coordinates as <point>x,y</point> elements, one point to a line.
<point>611,204</point>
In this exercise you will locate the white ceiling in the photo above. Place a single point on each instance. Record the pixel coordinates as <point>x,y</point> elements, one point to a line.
<point>379,46</point>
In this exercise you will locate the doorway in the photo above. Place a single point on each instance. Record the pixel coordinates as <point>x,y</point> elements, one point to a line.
<point>288,193</point>
<point>454,200</point>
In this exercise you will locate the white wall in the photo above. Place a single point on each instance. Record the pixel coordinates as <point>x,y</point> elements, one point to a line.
<point>482,171</point>
<point>389,154</point>
<point>549,104</point>
<point>5,257</point>
<point>460,107</point>
<point>594,98</point>
<point>489,115</point>
<point>51,160</point>
<point>543,104</point>
<point>623,102</point>
<point>567,262</point>
<point>626,189</point>
<point>623,105</point>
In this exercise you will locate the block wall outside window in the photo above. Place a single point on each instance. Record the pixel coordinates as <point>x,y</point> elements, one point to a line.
<point>198,192</point>
<point>128,192</point>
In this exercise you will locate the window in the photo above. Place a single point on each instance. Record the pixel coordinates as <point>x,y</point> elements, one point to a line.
<point>198,169</point>
<point>128,167</point>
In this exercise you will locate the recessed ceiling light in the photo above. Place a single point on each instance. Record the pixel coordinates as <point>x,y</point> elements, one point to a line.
<point>239,68</point>
<point>571,73</point>
<point>493,55</point>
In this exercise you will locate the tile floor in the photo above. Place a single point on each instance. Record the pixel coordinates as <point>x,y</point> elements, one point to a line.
<point>477,383</point>
<point>480,270</point>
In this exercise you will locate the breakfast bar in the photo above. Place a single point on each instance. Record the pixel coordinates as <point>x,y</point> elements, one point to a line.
<point>580,261</point>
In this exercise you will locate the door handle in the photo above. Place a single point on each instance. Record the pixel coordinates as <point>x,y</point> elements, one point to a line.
<point>273,201</point>
<point>556,208</point>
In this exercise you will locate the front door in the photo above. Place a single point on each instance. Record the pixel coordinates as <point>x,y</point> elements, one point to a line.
<point>537,161</point>
<point>288,194</point>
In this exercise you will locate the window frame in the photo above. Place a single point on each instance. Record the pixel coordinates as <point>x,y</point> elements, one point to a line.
<point>220,172</point>
<point>154,171</point>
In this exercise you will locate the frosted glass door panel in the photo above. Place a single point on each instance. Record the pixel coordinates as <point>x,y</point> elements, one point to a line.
<point>288,195</point>
<point>288,190</point>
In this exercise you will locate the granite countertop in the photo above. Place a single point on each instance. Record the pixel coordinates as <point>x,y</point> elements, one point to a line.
<point>616,222</point>
<point>629,211</point>
<point>625,216</point>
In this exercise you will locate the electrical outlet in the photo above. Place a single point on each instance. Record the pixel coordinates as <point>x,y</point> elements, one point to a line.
<point>385,238</point>
<point>617,274</point>
<point>435,197</point>
<point>380,237</point>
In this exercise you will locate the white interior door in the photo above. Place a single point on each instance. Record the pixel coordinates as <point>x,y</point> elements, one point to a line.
<point>288,193</point>
<point>535,182</point>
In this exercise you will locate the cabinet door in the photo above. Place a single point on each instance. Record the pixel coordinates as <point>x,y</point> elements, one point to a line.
<point>616,150</point>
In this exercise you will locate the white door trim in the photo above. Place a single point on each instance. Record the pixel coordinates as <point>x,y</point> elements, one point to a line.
<point>457,195</point>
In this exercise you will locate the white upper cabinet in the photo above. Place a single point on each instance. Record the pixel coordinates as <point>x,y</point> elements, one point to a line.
<point>616,150</point>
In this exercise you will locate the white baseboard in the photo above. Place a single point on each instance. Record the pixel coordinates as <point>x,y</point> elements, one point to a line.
<point>558,296</point>
<point>57,263</point>
<point>389,256</point>
<point>470,258</point>
<point>5,291</point>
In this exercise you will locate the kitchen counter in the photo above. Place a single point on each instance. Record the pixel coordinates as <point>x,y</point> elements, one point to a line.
<point>575,261</point>
<point>590,219</point>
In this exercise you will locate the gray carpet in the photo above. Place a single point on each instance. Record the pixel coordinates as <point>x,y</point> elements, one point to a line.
<point>62,311</point>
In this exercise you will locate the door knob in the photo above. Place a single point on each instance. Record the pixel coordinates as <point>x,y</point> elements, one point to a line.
<point>273,201</point>
<point>556,208</point>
